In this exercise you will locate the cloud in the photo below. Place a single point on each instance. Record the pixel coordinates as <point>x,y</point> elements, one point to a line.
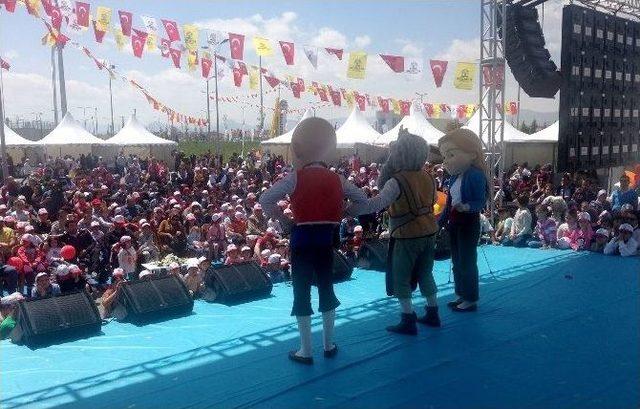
<point>362,41</point>
<point>461,50</point>
<point>11,55</point>
<point>329,37</point>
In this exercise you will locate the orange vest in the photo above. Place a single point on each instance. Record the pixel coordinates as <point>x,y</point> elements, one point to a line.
<point>411,215</point>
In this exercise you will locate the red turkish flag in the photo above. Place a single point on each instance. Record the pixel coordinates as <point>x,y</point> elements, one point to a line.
<point>82,13</point>
<point>171,27</point>
<point>395,62</point>
<point>56,17</point>
<point>335,51</point>
<point>61,39</point>
<point>384,104</point>
<point>295,88</point>
<point>10,5</point>
<point>428,108</point>
<point>335,97</point>
<point>138,39</point>
<point>273,81</point>
<point>404,107</point>
<point>288,51</point>
<point>237,77</point>
<point>236,45</point>
<point>4,65</point>
<point>243,68</point>
<point>438,69</point>
<point>165,45</point>
<point>513,107</point>
<point>125,22</point>
<point>360,100</point>
<point>175,56</point>
<point>445,108</point>
<point>491,76</point>
<point>323,95</point>
<point>461,111</point>
<point>47,5</point>
<point>205,64</point>
<point>98,33</point>
<point>301,84</point>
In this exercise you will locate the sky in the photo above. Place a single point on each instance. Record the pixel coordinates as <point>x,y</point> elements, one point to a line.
<point>429,29</point>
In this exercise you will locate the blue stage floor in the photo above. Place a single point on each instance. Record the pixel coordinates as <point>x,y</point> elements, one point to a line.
<point>554,330</point>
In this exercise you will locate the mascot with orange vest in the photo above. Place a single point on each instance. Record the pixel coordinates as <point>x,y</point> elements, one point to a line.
<point>317,200</point>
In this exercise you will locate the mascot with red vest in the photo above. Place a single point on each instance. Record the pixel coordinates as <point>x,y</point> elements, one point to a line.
<point>317,200</point>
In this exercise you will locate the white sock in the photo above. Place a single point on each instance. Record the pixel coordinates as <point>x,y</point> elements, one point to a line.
<point>328,321</point>
<point>406,305</point>
<point>304,328</point>
<point>466,304</point>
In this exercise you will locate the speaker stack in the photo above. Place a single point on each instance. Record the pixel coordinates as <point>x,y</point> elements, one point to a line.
<point>600,95</point>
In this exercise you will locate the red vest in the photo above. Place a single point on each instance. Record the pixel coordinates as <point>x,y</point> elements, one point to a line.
<point>318,196</point>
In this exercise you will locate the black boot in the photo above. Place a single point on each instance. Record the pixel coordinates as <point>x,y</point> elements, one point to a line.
<point>431,318</point>
<point>406,326</point>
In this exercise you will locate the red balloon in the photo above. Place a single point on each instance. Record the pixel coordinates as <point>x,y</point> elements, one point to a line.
<point>16,262</point>
<point>68,252</point>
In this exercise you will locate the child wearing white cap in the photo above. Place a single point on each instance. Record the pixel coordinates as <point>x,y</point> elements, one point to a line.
<point>623,243</point>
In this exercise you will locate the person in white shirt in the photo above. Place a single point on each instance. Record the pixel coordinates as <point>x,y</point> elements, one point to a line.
<point>487,233</point>
<point>127,257</point>
<point>623,244</point>
<point>521,227</point>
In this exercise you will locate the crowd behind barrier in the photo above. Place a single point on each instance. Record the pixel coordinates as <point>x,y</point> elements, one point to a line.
<point>76,224</point>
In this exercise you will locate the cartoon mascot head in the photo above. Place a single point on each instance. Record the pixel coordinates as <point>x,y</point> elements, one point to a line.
<point>313,140</point>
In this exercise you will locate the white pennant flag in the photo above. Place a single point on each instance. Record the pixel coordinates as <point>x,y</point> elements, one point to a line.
<point>66,7</point>
<point>312,55</point>
<point>150,24</point>
<point>215,38</point>
<point>413,67</point>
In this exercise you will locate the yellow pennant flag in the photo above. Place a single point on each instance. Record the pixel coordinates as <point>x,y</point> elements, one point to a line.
<point>437,110</point>
<point>121,40</point>
<point>103,18</point>
<point>262,46</point>
<point>192,60</point>
<point>348,96</point>
<point>48,39</point>
<point>152,42</point>
<point>190,37</point>
<point>254,77</point>
<point>464,75</point>
<point>395,106</point>
<point>357,65</point>
<point>471,108</point>
<point>33,7</point>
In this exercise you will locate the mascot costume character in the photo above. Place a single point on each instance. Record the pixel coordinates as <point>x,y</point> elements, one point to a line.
<point>410,194</point>
<point>317,198</point>
<point>468,191</point>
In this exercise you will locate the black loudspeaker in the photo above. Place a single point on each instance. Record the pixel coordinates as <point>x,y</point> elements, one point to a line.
<point>50,320</point>
<point>525,52</point>
<point>342,267</point>
<point>153,299</point>
<point>373,255</point>
<point>237,283</point>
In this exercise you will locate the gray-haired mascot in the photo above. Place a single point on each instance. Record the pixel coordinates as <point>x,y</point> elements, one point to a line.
<point>410,194</point>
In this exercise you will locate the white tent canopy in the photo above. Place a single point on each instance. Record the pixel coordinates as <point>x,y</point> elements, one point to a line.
<point>356,129</point>
<point>415,123</point>
<point>510,132</point>
<point>285,138</point>
<point>69,133</point>
<point>135,134</point>
<point>11,138</point>
<point>548,134</point>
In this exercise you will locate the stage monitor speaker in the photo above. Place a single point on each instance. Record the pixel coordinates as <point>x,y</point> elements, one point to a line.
<point>342,267</point>
<point>237,283</point>
<point>373,255</point>
<point>51,320</point>
<point>151,300</point>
